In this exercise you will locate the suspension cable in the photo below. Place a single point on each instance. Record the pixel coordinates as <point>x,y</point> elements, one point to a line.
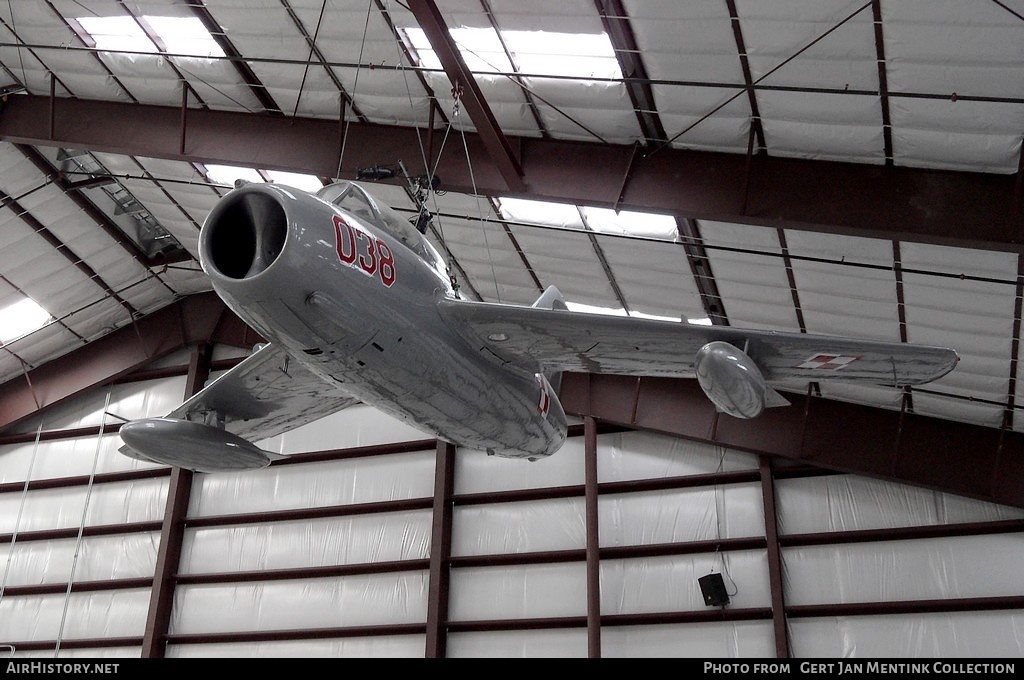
<point>355,85</point>
<point>484,221</point>
<point>21,507</point>
<point>81,526</point>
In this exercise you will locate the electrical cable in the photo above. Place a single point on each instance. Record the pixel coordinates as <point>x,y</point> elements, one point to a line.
<point>81,526</point>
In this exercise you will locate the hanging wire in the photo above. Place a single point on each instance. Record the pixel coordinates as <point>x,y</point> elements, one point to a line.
<point>719,518</point>
<point>309,59</point>
<point>21,508</point>
<point>408,92</point>
<point>476,195</point>
<point>720,556</point>
<point>21,59</point>
<point>431,171</point>
<point>456,93</point>
<point>756,82</point>
<point>430,182</point>
<point>81,526</point>
<point>355,86</point>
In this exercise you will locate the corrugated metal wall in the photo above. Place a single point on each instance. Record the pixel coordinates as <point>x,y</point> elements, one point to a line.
<point>331,555</point>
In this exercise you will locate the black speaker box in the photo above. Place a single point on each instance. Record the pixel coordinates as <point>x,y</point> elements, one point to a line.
<point>713,588</point>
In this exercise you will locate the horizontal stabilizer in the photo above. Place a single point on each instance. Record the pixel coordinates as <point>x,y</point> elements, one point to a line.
<point>773,398</point>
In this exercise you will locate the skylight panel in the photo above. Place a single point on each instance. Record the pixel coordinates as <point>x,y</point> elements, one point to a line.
<point>21,318</point>
<point>541,212</point>
<point>179,35</point>
<point>117,33</point>
<point>657,317</point>
<point>649,225</point>
<point>185,35</point>
<point>594,309</point>
<point>619,311</point>
<point>480,48</point>
<point>309,183</point>
<point>227,174</point>
<point>600,220</point>
<point>580,55</point>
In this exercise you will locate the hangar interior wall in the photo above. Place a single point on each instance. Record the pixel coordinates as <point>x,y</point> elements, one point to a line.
<point>331,557</point>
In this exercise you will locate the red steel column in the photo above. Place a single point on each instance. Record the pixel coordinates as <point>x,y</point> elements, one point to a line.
<point>172,531</point>
<point>440,552</point>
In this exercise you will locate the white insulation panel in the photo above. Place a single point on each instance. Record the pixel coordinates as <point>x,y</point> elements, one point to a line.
<point>67,507</point>
<point>654,277</point>
<point>518,592</point>
<point>518,644</point>
<point>670,584</point>
<point>358,539</point>
<point>358,425</point>
<point>485,253</point>
<point>378,647</point>
<point>567,260</point>
<point>717,640</point>
<point>53,459</point>
<point>115,613</point>
<point>679,515</point>
<point>750,273</point>
<point>142,399</point>
<point>995,634</point>
<point>955,50</point>
<point>343,482</point>
<point>476,472</point>
<point>96,558</point>
<point>890,571</point>
<point>529,526</point>
<point>363,600</point>
<point>87,653</point>
<point>851,503</point>
<point>646,455</point>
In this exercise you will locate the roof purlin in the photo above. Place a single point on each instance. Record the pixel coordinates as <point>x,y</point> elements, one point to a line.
<point>899,203</point>
<point>58,245</point>
<point>258,89</point>
<point>620,33</point>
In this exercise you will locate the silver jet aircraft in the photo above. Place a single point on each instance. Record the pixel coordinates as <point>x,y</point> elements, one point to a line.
<point>356,306</point>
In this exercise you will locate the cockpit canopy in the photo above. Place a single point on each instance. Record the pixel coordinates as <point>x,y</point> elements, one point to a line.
<point>353,199</point>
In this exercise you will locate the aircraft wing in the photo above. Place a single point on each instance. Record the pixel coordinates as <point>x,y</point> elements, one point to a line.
<point>265,395</point>
<point>554,339</point>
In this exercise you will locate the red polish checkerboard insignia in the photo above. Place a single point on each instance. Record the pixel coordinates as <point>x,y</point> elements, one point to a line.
<point>831,362</point>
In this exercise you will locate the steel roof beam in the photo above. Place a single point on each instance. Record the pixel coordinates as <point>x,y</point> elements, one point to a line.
<point>468,91</point>
<point>864,440</point>
<point>616,24</point>
<point>73,191</point>
<point>909,204</point>
<point>193,319</point>
<point>245,72</point>
<point>59,246</point>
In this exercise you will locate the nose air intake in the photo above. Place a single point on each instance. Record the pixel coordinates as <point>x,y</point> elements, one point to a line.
<point>244,236</point>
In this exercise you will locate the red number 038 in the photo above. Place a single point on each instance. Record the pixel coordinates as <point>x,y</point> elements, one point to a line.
<point>378,259</point>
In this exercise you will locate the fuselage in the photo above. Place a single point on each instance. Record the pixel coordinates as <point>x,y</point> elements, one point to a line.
<point>351,291</point>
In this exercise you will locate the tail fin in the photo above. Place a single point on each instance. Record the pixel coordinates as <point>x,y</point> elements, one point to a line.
<point>551,298</point>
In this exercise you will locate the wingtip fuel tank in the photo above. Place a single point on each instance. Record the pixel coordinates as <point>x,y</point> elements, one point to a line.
<point>191,445</point>
<point>732,381</point>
